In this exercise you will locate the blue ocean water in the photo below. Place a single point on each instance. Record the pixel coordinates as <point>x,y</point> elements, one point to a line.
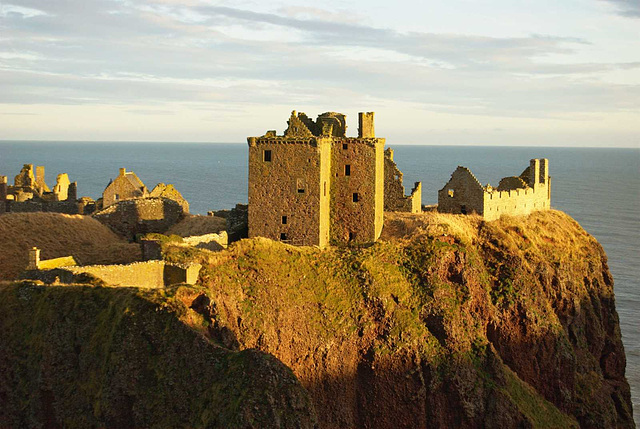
<point>600,188</point>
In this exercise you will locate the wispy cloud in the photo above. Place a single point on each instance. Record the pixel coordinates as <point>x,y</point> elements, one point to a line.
<point>133,52</point>
<point>628,8</point>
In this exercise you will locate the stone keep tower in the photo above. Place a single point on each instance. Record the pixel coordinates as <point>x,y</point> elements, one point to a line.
<point>313,185</point>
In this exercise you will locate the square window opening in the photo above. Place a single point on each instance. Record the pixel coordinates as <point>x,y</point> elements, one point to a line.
<point>345,146</point>
<point>283,236</point>
<point>266,155</point>
<point>301,190</point>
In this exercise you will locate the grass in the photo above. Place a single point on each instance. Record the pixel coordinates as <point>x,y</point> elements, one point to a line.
<point>59,235</point>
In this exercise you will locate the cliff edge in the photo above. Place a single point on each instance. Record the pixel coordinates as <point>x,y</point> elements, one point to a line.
<point>448,321</point>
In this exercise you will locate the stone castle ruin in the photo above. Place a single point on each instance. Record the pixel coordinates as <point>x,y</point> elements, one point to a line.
<point>128,186</point>
<point>516,195</point>
<point>394,198</point>
<point>30,193</point>
<point>314,185</point>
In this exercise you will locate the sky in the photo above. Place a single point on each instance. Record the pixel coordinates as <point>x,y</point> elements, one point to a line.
<point>454,72</point>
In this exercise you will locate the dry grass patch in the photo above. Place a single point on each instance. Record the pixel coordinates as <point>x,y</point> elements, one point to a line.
<point>82,237</point>
<point>198,225</point>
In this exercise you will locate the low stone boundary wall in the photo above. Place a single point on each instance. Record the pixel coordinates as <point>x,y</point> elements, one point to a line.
<point>149,274</point>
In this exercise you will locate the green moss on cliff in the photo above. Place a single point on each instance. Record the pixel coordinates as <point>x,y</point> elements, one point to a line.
<point>378,322</point>
<point>82,356</point>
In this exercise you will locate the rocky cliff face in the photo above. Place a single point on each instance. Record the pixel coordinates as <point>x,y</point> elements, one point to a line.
<point>448,321</point>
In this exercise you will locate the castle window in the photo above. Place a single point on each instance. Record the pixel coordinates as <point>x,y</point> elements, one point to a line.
<point>351,236</point>
<point>284,220</point>
<point>117,197</point>
<point>325,189</point>
<point>450,193</point>
<point>266,156</point>
<point>347,170</point>
<point>463,209</point>
<point>283,236</point>
<point>356,197</point>
<point>300,186</point>
<point>345,146</point>
<point>301,190</point>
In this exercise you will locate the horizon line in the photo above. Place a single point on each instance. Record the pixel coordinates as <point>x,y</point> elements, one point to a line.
<point>2,141</point>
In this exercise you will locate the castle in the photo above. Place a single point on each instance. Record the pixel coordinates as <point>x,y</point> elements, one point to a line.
<point>30,193</point>
<point>314,185</point>
<point>516,195</point>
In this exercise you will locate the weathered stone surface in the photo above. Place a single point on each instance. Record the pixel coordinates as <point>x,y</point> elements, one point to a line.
<point>514,196</point>
<point>140,216</point>
<point>124,187</point>
<point>314,185</point>
<point>394,198</point>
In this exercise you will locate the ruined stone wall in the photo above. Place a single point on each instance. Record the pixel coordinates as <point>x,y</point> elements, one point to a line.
<point>61,188</point>
<point>517,201</point>
<point>284,189</point>
<point>462,194</point>
<point>140,216</point>
<point>357,191</point>
<point>30,206</point>
<point>514,196</point>
<point>394,197</point>
<point>169,191</point>
<point>140,274</point>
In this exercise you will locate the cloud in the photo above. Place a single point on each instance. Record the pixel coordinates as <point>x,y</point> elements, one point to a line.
<point>164,52</point>
<point>628,8</point>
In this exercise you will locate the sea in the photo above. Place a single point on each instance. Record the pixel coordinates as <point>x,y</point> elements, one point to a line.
<point>599,187</point>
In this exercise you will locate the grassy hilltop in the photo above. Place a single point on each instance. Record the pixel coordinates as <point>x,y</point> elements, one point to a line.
<point>448,321</point>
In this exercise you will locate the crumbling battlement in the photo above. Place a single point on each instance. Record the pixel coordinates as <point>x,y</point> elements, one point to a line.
<point>394,198</point>
<point>314,185</point>
<point>516,195</point>
<point>30,193</point>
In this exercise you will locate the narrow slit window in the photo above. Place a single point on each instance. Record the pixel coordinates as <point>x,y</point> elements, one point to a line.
<point>347,170</point>
<point>325,189</point>
<point>266,155</point>
<point>356,197</point>
<point>351,236</point>
<point>284,220</point>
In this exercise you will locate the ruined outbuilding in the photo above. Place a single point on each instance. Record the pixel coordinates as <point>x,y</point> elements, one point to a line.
<point>394,198</point>
<point>30,193</point>
<point>126,186</point>
<point>313,185</point>
<point>516,195</point>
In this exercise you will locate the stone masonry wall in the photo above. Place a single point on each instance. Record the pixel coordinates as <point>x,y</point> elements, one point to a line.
<point>284,192</point>
<point>394,197</point>
<point>140,216</point>
<point>517,201</point>
<point>357,197</point>
<point>462,194</point>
